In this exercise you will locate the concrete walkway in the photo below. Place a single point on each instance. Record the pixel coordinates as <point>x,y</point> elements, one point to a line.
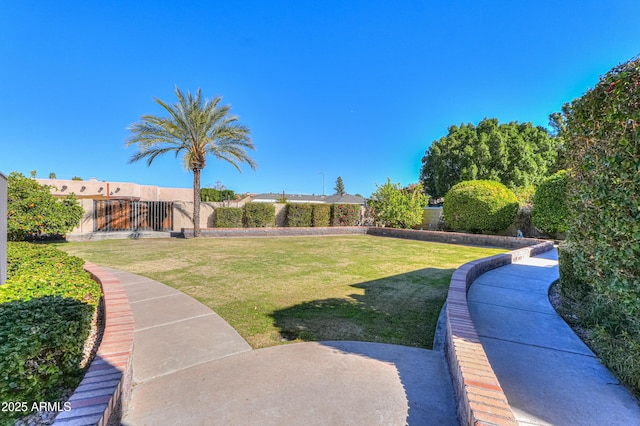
<point>549,376</point>
<point>192,368</point>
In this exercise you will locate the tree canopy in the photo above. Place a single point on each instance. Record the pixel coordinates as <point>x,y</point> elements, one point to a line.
<point>33,212</point>
<point>396,207</point>
<point>339,186</point>
<point>514,154</point>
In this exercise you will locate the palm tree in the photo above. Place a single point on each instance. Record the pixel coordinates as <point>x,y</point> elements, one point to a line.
<point>194,128</point>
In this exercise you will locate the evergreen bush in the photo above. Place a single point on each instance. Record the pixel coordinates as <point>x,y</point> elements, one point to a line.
<point>229,217</point>
<point>46,309</point>
<point>345,214</point>
<point>298,214</point>
<point>602,136</point>
<point>321,215</point>
<point>259,215</point>
<point>550,211</point>
<point>479,205</point>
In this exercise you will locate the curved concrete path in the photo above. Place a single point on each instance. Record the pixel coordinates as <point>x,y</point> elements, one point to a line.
<point>191,368</point>
<point>549,376</point>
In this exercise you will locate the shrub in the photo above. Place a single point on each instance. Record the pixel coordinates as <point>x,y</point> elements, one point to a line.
<point>216,195</point>
<point>397,207</point>
<point>33,212</point>
<point>345,214</point>
<point>321,215</point>
<point>259,215</point>
<point>602,137</point>
<point>480,205</point>
<point>299,214</point>
<point>571,285</point>
<point>550,209</point>
<point>229,217</point>
<point>46,309</point>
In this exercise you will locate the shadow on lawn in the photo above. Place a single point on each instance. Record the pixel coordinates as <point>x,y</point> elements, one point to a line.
<point>401,309</point>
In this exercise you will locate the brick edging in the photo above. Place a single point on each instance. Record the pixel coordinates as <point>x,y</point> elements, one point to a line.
<point>479,396</point>
<point>107,382</point>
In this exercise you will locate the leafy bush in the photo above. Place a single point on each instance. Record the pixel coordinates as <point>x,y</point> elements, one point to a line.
<point>321,215</point>
<point>571,285</point>
<point>479,205</point>
<point>299,214</point>
<point>46,309</point>
<point>216,195</point>
<point>602,136</point>
<point>396,207</point>
<point>550,209</point>
<point>345,214</point>
<point>259,215</point>
<point>229,217</point>
<point>32,211</point>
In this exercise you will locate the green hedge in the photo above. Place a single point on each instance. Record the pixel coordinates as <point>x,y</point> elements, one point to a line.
<point>259,215</point>
<point>602,137</point>
<point>216,195</point>
<point>299,214</point>
<point>345,214</point>
<point>229,217</point>
<point>479,205</point>
<point>321,215</point>
<point>550,209</point>
<point>46,309</point>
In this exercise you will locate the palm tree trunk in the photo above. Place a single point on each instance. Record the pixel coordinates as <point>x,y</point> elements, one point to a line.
<point>196,202</point>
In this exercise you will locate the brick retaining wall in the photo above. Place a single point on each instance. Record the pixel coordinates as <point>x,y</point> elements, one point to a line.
<point>479,396</point>
<point>107,383</point>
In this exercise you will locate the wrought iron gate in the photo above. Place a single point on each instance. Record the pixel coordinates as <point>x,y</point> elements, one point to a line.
<point>125,215</point>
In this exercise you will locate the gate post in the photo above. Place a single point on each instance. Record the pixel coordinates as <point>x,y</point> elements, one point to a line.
<point>3,228</point>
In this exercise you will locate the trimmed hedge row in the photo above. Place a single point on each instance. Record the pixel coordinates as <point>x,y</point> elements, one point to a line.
<point>261,215</point>
<point>46,309</point>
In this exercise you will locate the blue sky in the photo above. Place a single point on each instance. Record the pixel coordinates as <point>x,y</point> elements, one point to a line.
<point>355,89</point>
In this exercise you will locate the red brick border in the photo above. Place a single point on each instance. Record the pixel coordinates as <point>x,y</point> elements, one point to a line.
<point>108,379</point>
<point>479,396</point>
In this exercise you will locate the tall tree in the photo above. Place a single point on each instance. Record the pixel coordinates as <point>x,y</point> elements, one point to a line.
<point>515,154</point>
<point>194,128</point>
<point>339,186</point>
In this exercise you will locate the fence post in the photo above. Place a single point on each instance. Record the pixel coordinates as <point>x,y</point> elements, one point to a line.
<point>3,228</point>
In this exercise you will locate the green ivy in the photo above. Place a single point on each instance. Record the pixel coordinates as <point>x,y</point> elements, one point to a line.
<point>46,309</point>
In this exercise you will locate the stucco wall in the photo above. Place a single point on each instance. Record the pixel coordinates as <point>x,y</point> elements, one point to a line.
<point>98,190</point>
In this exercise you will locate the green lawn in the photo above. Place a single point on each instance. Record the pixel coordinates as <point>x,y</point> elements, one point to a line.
<point>276,290</point>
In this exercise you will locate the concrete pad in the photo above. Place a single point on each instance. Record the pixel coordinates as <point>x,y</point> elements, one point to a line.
<point>515,271</point>
<point>307,383</point>
<point>549,387</point>
<point>533,328</point>
<point>167,348</point>
<point>164,310</point>
<point>509,298</point>
<point>531,285</point>
<point>148,290</point>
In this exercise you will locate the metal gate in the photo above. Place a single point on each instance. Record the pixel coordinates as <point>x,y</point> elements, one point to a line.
<point>125,215</point>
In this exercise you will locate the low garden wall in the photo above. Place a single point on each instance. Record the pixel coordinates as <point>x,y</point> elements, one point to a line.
<point>479,395</point>
<point>106,386</point>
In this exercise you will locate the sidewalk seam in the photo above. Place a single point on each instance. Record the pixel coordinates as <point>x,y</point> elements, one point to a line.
<point>174,322</point>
